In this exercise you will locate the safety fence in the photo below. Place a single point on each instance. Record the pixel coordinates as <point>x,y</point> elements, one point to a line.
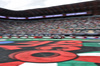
<point>50,37</point>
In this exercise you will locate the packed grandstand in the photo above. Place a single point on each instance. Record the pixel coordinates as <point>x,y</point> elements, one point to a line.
<point>79,20</point>
<point>90,24</point>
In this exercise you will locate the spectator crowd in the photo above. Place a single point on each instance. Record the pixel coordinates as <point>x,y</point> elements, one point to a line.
<point>51,26</point>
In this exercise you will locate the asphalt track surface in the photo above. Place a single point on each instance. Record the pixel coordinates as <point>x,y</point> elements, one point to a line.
<point>18,52</point>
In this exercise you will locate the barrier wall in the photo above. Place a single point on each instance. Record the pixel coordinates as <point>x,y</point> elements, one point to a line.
<point>40,37</point>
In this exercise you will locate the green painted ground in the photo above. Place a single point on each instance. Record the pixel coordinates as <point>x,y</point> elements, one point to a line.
<point>15,39</point>
<point>92,44</point>
<point>76,63</point>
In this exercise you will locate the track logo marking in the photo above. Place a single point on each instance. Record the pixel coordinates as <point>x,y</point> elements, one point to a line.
<point>45,52</point>
<point>58,51</point>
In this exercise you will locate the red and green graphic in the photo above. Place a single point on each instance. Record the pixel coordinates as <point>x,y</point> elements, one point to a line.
<point>64,53</point>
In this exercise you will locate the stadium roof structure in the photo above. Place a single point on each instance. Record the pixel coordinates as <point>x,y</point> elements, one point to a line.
<point>70,8</point>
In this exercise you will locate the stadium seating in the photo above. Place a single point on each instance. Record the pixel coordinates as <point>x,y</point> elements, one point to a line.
<point>52,26</point>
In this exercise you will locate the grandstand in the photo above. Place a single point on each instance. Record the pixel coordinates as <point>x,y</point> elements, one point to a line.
<point>69,25</point>
<point>63,20</point>
<point>65,35</point>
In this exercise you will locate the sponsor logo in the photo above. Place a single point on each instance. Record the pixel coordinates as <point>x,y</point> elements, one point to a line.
<point>45,52</point>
